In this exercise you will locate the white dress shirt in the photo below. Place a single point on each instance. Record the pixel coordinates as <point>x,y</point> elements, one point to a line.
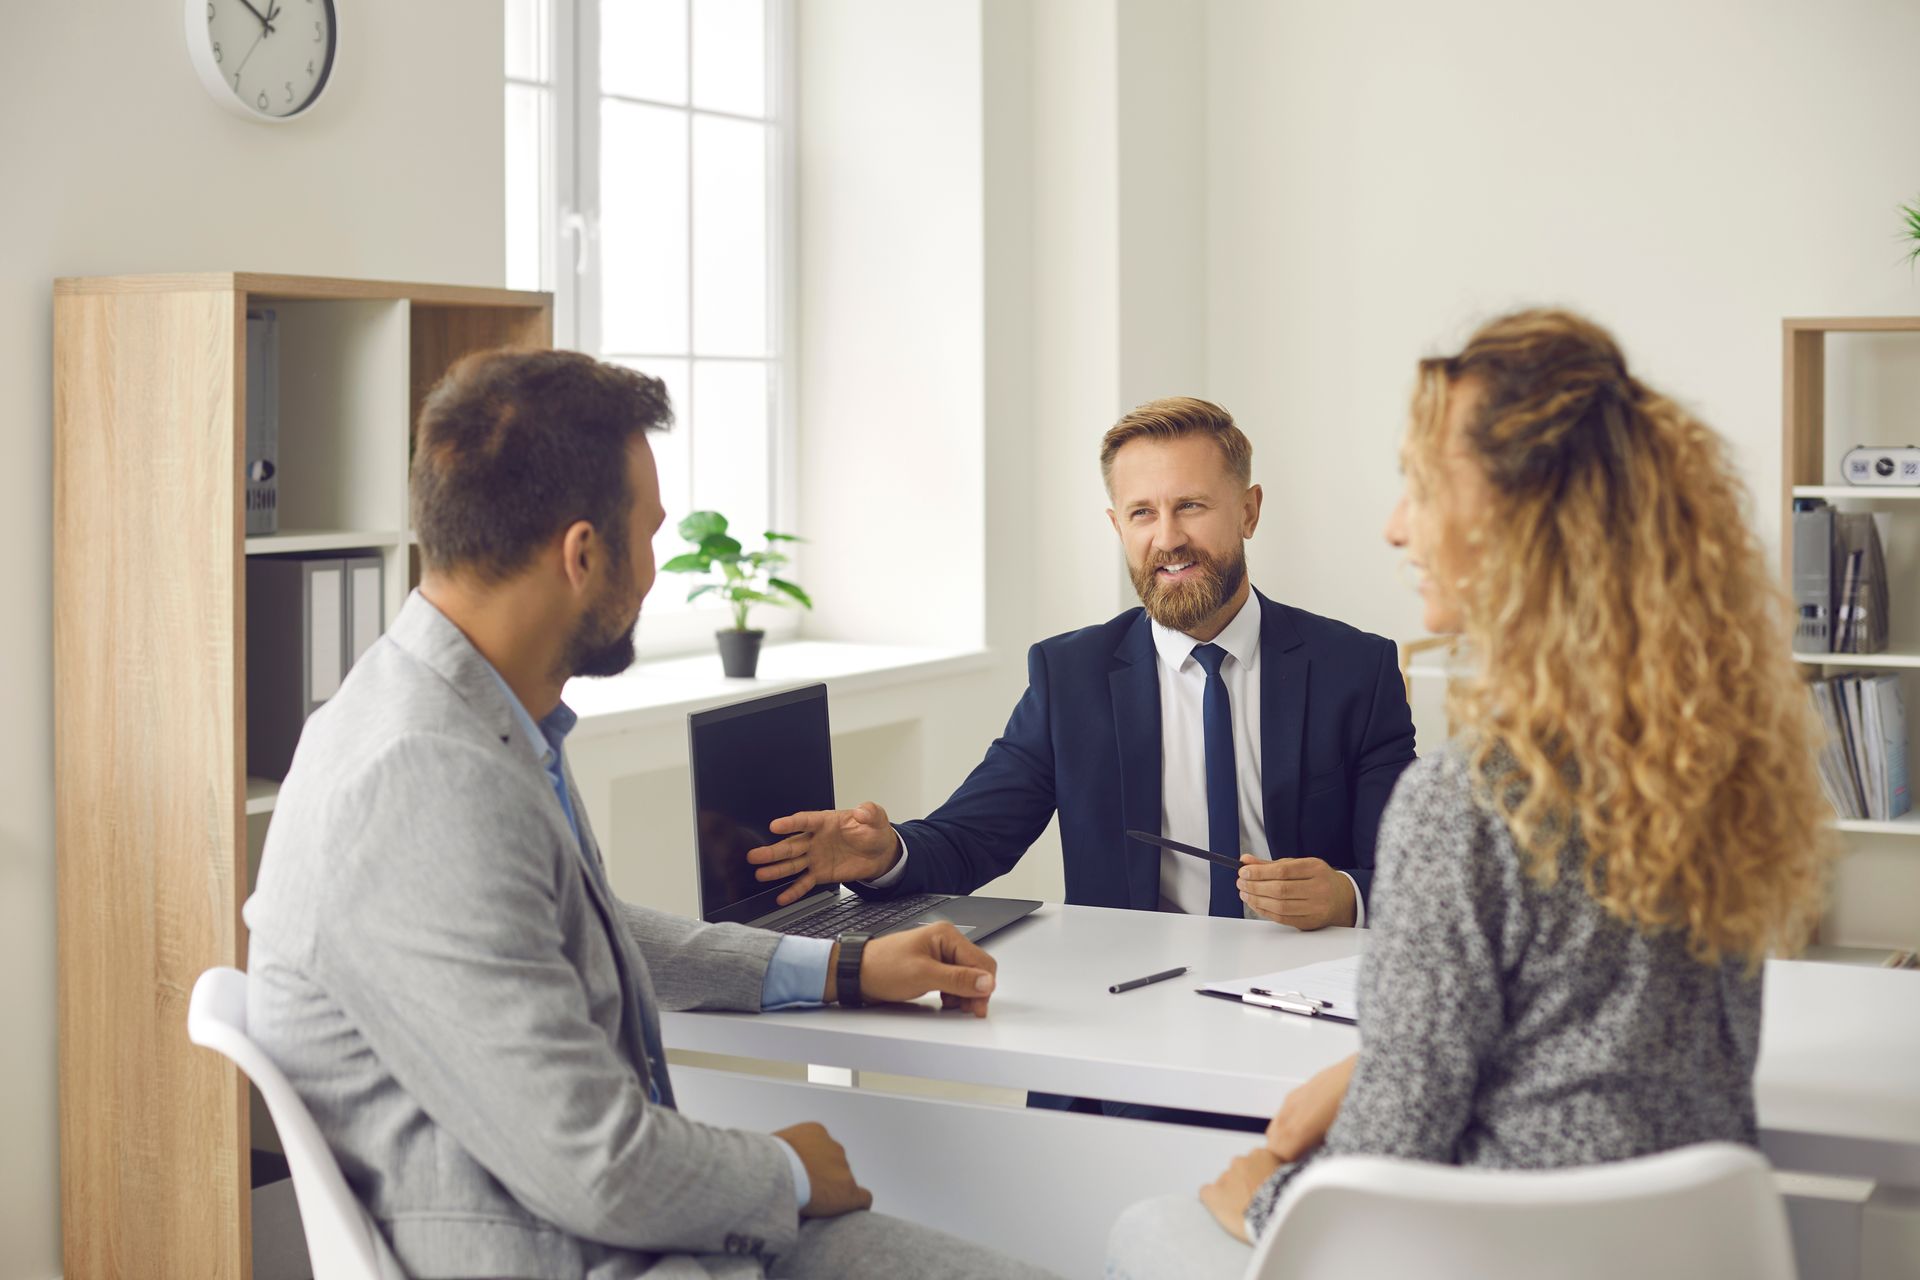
<point>1186,883</point>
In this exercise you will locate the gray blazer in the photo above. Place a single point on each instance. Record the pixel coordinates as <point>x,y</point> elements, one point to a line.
<point>462,1005</point>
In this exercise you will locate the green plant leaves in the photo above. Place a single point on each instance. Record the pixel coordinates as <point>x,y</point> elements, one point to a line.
<point>1911,214</point>
<point>781,584</point>
<point>741,572</point>
<point>701,525</point>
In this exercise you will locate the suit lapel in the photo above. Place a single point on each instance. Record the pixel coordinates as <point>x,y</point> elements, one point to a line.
<point>1134,685</point>
<point>1283,722</point>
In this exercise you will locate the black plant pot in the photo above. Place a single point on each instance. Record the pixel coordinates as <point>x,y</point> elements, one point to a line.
<point>739,652</point>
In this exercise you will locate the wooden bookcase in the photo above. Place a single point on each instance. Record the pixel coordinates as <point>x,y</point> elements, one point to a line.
<point>154,813</point>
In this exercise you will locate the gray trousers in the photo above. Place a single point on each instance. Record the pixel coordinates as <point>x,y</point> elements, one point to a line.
<point>1173,1238</point>
<point>862,1245</point>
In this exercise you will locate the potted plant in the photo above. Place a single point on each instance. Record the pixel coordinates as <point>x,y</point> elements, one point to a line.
<point>746,578</point>
<point>1910,230</point>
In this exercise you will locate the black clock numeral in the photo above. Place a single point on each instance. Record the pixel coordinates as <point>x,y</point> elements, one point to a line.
<point>261,101</point>
<point>316,33</point>
<point>236,80</point>
<point>309,66</point>
<point>209,10</point>
<point>217,55</point>
<point>289,91</point>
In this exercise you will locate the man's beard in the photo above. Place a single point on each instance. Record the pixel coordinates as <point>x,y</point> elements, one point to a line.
<point>1182,606</point>
<point>602,645</point>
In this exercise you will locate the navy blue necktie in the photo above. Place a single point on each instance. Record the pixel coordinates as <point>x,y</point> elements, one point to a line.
<point>1223,782</point>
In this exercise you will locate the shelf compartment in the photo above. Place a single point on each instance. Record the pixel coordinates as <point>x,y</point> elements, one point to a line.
<point>343,414</point>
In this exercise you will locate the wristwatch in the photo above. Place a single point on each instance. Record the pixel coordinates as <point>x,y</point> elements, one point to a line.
<point>846,973</point>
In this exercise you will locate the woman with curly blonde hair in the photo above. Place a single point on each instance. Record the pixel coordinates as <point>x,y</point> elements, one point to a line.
<point>1575,895</point>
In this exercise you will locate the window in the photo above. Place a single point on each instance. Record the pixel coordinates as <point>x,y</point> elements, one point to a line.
<point>647,185</point>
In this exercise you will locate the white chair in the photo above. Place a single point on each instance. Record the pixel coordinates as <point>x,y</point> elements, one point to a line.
<point>1705,1212</point>
<point>342,1240</point>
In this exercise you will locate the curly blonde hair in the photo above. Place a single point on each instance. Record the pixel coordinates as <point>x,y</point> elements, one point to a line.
<point>1636,686</point>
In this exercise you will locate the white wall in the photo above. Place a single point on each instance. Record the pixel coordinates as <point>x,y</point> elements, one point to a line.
<point>890,326</point>
<point>1381,177</point>
<point>115,160</point>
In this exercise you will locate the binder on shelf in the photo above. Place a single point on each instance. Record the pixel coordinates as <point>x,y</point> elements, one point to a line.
<point>1863,762</point>
<point>366,576</point>
<point>261,478</point>
<point>1890,794</point>
<point>1860,564</point>
<point>1812,575</point>
<point>308,620</point>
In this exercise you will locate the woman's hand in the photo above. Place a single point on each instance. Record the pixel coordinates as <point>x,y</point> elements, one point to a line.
<point>1228,1196</point>
<point>1308,1112</point>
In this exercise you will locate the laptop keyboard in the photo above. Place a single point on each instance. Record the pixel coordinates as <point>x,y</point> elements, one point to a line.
<point>856,915</point>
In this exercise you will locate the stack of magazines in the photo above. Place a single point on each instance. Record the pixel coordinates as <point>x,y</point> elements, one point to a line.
<point>1863,766</point>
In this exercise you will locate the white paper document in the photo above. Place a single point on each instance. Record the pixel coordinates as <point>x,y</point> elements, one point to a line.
<point>1331,986</point>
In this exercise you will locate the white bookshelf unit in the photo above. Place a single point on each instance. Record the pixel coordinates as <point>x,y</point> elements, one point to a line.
<point>158,827</point>
<point>1875,903</point>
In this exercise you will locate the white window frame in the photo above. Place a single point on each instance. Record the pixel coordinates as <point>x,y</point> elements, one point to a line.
<point>570,270</point>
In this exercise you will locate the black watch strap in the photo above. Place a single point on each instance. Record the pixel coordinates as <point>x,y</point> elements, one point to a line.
<point>846,973</point>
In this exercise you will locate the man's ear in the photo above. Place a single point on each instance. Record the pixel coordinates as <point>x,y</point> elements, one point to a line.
<point>579,545</point>
<point>1113,520</point>
<point>1250,511</point>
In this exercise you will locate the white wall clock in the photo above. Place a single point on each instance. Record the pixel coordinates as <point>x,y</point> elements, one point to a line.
<point>264,59</point>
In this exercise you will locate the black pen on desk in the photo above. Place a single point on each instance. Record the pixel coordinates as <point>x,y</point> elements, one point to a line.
<point>1118,987</point>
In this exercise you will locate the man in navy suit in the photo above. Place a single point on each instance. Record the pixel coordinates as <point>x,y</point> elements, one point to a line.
<point>1211,715</point>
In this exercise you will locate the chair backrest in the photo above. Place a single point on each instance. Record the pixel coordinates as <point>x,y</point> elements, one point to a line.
<point>342,1240</point>
<point>1705,1212</point>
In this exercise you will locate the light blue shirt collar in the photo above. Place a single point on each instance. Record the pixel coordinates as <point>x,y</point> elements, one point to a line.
<point>549,734</point>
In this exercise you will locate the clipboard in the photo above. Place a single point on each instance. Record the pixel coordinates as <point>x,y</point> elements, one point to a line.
<point>1326,991</point>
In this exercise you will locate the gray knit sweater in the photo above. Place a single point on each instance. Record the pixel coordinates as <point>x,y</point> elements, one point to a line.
<point>1513,1025</point>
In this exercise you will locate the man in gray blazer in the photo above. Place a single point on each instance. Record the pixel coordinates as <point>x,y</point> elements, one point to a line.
<point>437,960</point>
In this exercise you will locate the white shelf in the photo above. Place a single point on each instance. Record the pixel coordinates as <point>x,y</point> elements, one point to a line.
<point>1889,659</point>
<point>1907,824</point>
<point>321,540</point>
<point>262,794</point>
<point>1860,493</point>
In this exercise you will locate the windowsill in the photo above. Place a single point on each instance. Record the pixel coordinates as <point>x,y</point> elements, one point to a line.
<point>661,691</point>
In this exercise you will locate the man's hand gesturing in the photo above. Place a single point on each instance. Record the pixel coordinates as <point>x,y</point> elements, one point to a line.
<point>827,846</point>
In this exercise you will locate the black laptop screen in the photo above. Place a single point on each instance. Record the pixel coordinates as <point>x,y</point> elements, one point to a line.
<point>753,762</point>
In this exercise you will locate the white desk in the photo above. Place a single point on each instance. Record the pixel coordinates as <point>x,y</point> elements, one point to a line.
<point>1838,1084</point>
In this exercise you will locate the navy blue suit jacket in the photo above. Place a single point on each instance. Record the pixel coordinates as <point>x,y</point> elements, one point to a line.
<point>1335,733</point>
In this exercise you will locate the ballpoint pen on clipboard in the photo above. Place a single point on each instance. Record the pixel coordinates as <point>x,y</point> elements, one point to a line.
<point>1287,1001</point>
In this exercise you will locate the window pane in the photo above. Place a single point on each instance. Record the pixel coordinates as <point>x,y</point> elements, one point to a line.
<point>529,24</point>
<point>528,197</point>
<point>643,49</point>
<point>730,411</point>
<point>730,56</point>
<point>672,458</point>
<point>730,237</point>
<point>643,229</point>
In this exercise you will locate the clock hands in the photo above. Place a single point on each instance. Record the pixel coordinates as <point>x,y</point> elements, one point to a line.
<point>255,45</point>
<point>266,19</point>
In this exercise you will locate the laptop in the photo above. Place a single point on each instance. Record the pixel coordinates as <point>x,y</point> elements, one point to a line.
<point>762,759</point>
